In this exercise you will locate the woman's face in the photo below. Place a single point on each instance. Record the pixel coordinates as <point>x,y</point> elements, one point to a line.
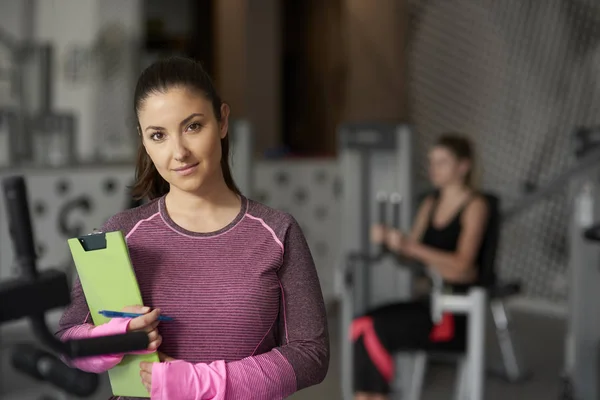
<point>445,168</point>
<point>182,137</point>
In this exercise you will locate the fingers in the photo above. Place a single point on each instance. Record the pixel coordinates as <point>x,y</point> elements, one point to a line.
<point>378,233</point>
<point>395,240</point>
<point>154,340</point>
<point>154,345</point>
<point>136,309</point>
<point>164,358</point>
<point>152,326</point>
<point>153,336</point>
<point>144,321</point>
<point>146,366</point>
<point>146,378</point>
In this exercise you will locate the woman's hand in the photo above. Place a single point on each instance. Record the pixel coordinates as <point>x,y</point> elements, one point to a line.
<point>164,358</point>
<point>146,370</point>
<point>400,243</point>
<point>378,234</point>
<point>396,241</point>
<point>146,375</point>
<point>145,323</point>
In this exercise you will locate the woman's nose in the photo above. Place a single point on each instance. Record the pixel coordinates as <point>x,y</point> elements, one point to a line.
<point>180,151</point>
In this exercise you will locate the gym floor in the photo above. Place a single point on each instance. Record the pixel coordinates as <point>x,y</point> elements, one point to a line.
<point>541,339</point>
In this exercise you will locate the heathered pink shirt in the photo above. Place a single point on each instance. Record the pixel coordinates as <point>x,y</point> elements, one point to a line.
<point>249,317</point>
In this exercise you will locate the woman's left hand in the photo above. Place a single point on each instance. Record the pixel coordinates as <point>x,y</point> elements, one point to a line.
<point>164,358</point>
<point>400,243</point>
<point>395,240</point>
<point>146,370</point>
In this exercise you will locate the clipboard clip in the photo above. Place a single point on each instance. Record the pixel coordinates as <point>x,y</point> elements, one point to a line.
<point>93,241</point>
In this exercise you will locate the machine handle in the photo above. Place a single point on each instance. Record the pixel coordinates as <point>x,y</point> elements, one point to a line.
<point>19,221</point>
<point>592,233</point>
<point>396,200</point>
<point>382,203</point>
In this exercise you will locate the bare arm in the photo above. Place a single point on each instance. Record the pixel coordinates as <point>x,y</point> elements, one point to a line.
<point>420,224</point>
<point>457,265</point>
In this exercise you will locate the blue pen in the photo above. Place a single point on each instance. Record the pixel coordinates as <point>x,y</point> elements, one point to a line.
<point>119,314</point>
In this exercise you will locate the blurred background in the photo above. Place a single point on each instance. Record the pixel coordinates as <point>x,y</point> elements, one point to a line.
<point>519,77</point>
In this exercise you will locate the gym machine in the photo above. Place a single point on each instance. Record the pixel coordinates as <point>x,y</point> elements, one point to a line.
<point>376,164</point>
<point>581,372</point>
<point>35,132</point>
<point>376,160</point>
<point>33,294</point>
<point>470,377</point>
<point>582,347</point>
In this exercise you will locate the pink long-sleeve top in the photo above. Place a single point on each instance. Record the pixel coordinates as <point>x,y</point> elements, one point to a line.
<point>249,316</point>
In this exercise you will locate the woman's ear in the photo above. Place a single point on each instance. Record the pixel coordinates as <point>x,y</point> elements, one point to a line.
<point>225,110</point>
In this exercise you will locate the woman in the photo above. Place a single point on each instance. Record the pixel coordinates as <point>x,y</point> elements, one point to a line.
<point>237,276</point>
<point>447,235</point>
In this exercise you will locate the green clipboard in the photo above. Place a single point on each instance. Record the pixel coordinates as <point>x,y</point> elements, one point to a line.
<point>109,283</point>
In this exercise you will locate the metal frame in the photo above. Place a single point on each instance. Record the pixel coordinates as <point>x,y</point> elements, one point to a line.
<point>372,158</point>
<point>583,321</point>
<point>470,382</point>
<point>34,112</point>
<point>363,147</point>
<point>512,367</point>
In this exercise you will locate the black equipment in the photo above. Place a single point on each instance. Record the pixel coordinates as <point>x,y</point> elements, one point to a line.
<point>33,294</point>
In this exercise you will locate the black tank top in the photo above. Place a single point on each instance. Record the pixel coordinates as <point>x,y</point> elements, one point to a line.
<point>446,237</point>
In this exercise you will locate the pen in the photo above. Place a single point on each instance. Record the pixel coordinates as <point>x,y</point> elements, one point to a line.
<point>119,314</point>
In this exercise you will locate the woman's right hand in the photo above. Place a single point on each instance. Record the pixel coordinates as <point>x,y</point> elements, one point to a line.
<point>146,323</point>
<point>378,234</point>
<point>395,241</point>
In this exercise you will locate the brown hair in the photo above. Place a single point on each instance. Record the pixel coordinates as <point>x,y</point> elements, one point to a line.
<point>158,78</point>
<point>462,148</point>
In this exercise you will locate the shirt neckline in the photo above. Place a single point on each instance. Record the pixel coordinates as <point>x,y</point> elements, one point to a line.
<point>167,220</point>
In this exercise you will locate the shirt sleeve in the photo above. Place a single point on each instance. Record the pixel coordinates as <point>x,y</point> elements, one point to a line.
<point>301,361</point>
<point>96,364</point>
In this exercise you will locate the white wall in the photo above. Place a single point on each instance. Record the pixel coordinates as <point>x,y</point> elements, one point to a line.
<point>71,25</point>
<point>14,22</point>
<point>12,17</point>
<point>115,85</point>
<point>81,83</point>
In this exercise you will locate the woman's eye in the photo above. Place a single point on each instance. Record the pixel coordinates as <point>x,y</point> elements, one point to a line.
<point>157,136</point>
<point>194,126</point>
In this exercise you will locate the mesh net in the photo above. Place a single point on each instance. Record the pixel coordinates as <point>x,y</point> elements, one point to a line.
<point>518,77</point>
